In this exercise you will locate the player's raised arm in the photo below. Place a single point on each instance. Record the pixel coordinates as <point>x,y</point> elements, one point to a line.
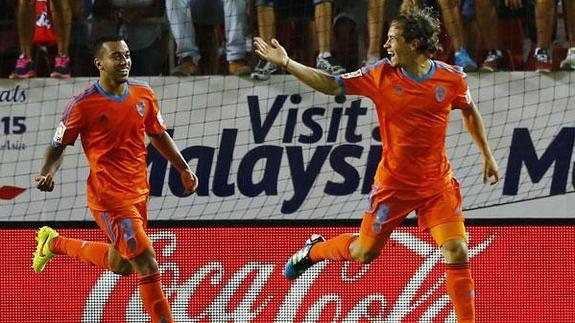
<point>474,124</point>
<point>317,79</point>
<point>52,161</point>
<point>168,149</point>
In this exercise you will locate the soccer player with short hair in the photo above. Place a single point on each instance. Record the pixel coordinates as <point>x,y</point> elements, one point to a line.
<point>413,97</point>
<point>112,117</point>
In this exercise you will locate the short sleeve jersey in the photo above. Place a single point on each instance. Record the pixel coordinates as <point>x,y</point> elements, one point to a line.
<point>413,114</point>
<point>112,130</point>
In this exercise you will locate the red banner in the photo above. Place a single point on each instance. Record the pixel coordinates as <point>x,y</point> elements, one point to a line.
<point>522,274</point>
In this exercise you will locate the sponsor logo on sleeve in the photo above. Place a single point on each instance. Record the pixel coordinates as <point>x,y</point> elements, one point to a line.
<point>59,134</point>
<point>351,74</point>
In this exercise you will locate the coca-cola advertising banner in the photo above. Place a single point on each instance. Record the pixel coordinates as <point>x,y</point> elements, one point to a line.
<point>278,150</point>
<point>522,274</point>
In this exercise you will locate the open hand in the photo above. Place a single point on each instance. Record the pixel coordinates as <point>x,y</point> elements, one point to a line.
<point>190,182</point>
<point>44,183</point>
<point>273,53</point>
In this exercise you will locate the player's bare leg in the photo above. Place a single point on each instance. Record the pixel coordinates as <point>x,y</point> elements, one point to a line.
<point>117,263</point>
<point>365,249</point>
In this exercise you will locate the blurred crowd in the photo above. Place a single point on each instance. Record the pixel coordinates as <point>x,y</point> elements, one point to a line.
<point>52,38</point>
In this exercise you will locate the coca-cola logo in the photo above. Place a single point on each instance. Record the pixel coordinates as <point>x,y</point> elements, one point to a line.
<point>244,295</point>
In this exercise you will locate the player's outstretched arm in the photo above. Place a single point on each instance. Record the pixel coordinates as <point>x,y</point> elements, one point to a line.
<point>317,79</point>
<point>52,161</point>
<point>474,124</point>
<point>167,148</point>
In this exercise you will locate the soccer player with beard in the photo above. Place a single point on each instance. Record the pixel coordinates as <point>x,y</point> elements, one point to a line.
<point>113,116</point>
<point>413,97</point>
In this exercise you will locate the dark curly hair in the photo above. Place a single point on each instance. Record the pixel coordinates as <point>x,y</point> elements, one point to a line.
<point>422,25</point>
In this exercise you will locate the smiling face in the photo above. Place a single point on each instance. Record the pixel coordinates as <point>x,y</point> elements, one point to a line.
<point>401,53</point>
<point>114,61</point>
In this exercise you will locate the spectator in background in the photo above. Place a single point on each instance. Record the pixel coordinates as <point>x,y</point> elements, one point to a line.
<point>488,21</point>
<point>355,11</point>
<point>323,19</point>
<point>266,19</point>
<point>182,26</point>
<point>138,22</point>
<point>375,20</point>
<point>323,11</point>
<point>545,14</point>
<point>569,10</point>
<point>61,16</point>
<point>453,22</point>
<point>80,42</point>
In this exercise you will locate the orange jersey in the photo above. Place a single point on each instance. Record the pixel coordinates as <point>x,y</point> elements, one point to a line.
<point>413,115</point>
<point>112,130</point>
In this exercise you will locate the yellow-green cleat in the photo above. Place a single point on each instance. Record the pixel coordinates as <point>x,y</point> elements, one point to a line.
<point>43,254</point>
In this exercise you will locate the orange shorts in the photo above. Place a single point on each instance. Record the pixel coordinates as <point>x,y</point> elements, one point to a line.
<point>388,208</point>
<point>125,228</point>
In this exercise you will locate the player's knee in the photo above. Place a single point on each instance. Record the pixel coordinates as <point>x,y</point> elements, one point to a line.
<point>362,253</point>
<point>366,257</point>
<point>124,268</point>
<point>145,263</point>
<point>455,251</point>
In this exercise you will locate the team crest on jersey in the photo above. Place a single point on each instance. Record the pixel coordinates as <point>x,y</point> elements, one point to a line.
<point>141,107</point>
<point>440,93</point>
<point>351,74</point>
